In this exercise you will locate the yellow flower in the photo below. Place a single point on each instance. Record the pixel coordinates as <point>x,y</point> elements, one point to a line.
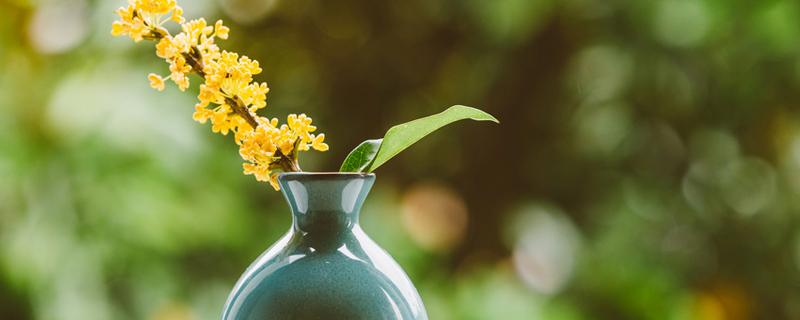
<point>128,18</point>
<point>262,173</point>
<point>155,6</point>
<point>209,95</point>
<point>177,15</point>
<point>257,171</point>
<point>182,43</point>
<point>221,31</point>
<point>301,124</point>
<point>201,114</point>
<point>259,97</point>
<point>273,181</point>
<point>220,123</point>
<point>286,146</point>
<point>166,48</point>
<point>181,80</point>
<point>318,144</point>
<point>156,81</point>
<point>197,29</point>
<point>119,28</point>
<point>142,18</point>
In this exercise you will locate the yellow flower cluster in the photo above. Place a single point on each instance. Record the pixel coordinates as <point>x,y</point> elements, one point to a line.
<point>228,98</point>
<point>141,19</point>
<point>259,147</point>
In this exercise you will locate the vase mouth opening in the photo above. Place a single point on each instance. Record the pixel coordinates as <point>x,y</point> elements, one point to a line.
<point>323,175</point>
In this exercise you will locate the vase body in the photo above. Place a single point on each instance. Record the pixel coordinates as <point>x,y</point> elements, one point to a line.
<point>325,267</point>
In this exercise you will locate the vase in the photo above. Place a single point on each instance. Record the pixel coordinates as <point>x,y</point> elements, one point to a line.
<point>325,267</point>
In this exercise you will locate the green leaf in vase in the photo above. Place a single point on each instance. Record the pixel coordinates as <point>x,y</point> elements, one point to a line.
<point>371,154</point>
<point>361,157</point>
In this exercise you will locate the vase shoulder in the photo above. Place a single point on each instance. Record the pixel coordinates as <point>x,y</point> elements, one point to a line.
<point>356,280</point>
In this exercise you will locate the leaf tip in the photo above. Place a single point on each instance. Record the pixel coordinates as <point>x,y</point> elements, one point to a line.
<point>481,115</point>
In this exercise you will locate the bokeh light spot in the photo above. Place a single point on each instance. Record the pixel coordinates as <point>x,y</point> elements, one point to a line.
<point>546,245</point>
<point>434,215</point>
<point>600,129</point>
<point>58,26</point>
<point>748,185</point>
<point>173,311</point>
<point>601,73</point>
<point>681,22</point>
<point>713,146</point>
<point>248,11</point>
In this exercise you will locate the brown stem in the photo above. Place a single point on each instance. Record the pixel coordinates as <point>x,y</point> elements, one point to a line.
<point>239,109</point>
<point>287,163</point>
<point>290,165</point>
<point>195,63</point>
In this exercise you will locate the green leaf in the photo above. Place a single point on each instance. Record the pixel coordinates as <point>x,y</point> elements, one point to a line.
<point>361,157</point>
<point>402,136</point>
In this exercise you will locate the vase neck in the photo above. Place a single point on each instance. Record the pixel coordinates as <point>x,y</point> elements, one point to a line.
<point>325,203</point>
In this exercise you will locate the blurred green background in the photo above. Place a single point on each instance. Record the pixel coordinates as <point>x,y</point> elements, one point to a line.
<point>647,165</point>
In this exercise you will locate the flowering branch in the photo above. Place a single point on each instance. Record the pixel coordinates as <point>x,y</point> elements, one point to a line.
<point>228,87</point>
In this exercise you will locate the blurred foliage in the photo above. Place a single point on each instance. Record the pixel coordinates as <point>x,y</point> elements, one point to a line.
<point>647,165</point>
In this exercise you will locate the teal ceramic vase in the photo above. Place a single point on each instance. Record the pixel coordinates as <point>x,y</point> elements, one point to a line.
<point>325,267</point>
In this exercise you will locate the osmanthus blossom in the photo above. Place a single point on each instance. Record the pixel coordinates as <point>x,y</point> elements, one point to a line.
<point>229,97</point>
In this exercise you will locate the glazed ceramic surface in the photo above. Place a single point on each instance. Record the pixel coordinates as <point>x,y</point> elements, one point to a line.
<point>325,267</point>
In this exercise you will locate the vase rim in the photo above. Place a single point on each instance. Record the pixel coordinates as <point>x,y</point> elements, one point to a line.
<point>324,175</point>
